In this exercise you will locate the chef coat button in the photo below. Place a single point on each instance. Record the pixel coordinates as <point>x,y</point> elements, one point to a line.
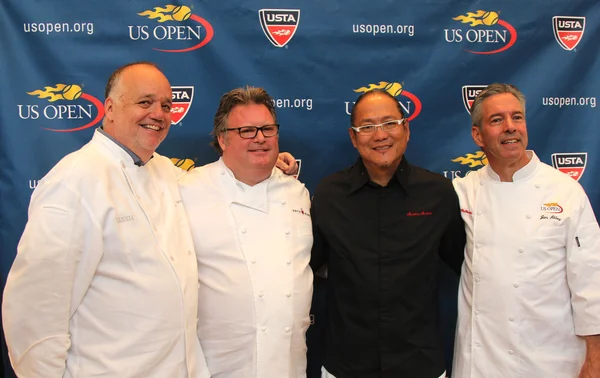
<point>261,294</point>
<point>478,345</point>
<point>512,319</point>
<point>479,213</point>
<point>477,278</point>
<point>122,165</point>
<point>528,216</point>
<point>521,250</point>
<point>264,329</point>
<point>481,183</point>
<point>283,202</point>
<point>222,173</point>
<point>288,294</point>
<point>243,230</point>
<point>172,258</point>
<point>253,261</point>
<point>287,232</point>
<point>537,186</point>
<point>516,284</point>
<point>510,351</point>
<point>476,312</point>
<point>288,262</point>
<point>287,329</point>
<point>478,246</point>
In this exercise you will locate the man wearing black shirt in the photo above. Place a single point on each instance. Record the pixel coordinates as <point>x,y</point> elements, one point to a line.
<point>382,226</point>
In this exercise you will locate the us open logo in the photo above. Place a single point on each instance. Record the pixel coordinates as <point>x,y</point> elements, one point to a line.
<point>279,25</point>
<point>568,30</point>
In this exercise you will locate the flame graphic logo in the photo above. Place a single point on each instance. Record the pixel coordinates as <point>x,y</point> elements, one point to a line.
<point>395,89</point>
<point>185,164</point>
<point>168,13</point>
<point>480,17</point>
<point>58,92</point>
<point>473,160</point>
<point>179,13</point>
<point>69,92</point>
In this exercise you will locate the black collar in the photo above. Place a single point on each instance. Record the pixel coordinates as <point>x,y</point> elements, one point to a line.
<point>358,176</point>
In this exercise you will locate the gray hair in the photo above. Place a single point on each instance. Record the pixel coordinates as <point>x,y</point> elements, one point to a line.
<point>489,91</point>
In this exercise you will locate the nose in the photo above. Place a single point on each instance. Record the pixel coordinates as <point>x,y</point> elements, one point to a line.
<point>379,134</point>
<point>509,126</point>
<point>158,113</point>
<point>260,137</point>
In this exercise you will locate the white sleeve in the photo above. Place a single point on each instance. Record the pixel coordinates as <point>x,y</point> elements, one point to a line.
<point>583,270</point>
<point>59,247</point>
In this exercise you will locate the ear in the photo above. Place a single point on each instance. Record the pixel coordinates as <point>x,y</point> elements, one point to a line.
<point>108,107</point>
<point>353,135</point>
<point>476,135</point>
<point>222,142</point>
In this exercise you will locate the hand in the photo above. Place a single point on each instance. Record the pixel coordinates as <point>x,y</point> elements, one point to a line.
<point>591,364</point>
<point>287,163</point>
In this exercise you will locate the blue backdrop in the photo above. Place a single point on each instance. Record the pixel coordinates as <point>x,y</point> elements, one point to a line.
<point>314,57</point>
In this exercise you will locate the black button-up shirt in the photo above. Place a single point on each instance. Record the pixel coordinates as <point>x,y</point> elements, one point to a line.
<point>383,246</point>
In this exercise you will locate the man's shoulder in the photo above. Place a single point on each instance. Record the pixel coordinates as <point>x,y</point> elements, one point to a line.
<point>335,182</point>
<point>199,174</point>
<point>426,180</point>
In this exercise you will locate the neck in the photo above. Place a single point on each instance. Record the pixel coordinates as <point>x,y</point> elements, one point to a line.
<point>249,177</point>
<point>506,171</point>
<point>381,174</point>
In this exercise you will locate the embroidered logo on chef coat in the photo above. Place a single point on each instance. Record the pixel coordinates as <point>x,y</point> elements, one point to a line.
<point>418,213</point>
<point>552,207</point>
<point>301,211</point>
<point>125,219</point>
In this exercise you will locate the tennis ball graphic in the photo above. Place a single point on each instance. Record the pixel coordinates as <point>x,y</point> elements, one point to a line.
<point>394,89</point>
<point>71,92</point>
<point>490,18</point>
<point>181,13</point>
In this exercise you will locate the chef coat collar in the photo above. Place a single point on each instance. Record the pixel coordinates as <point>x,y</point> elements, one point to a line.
<point>522,173</point>
<point>136,159</point>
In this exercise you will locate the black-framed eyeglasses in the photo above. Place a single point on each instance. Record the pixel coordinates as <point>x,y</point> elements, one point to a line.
<point>385,126</point>
<point>250,132</point>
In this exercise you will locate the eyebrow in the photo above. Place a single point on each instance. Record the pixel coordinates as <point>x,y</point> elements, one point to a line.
<point>502,113</point>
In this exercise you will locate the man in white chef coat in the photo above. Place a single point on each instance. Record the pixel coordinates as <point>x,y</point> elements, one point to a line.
<point>105,279</point>
<point>529,298</point>
<point>252,234</point>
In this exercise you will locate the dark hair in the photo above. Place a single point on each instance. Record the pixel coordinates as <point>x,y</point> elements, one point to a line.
<point>367,94</point>
<point>115,75</point>
<point>489,91</point>
<point>239,96</point>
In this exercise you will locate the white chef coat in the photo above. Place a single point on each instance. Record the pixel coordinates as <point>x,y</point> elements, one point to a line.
<point>105,278</point>
<point>253,245</point>
<point>530,282</point>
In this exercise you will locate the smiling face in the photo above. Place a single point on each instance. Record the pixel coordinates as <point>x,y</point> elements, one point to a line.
<point>250,160</point>
<point>381,149</point>
<point>502,134</point>
<point>138,109</point>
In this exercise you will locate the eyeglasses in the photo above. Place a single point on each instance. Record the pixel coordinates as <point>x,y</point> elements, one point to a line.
<point>250,132</point>
<point>385,126</point>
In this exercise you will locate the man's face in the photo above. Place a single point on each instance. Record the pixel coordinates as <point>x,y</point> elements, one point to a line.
<point>502,134</point>
<point>383,149</point>
<point>251,160</point>
<point>139,109</point>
